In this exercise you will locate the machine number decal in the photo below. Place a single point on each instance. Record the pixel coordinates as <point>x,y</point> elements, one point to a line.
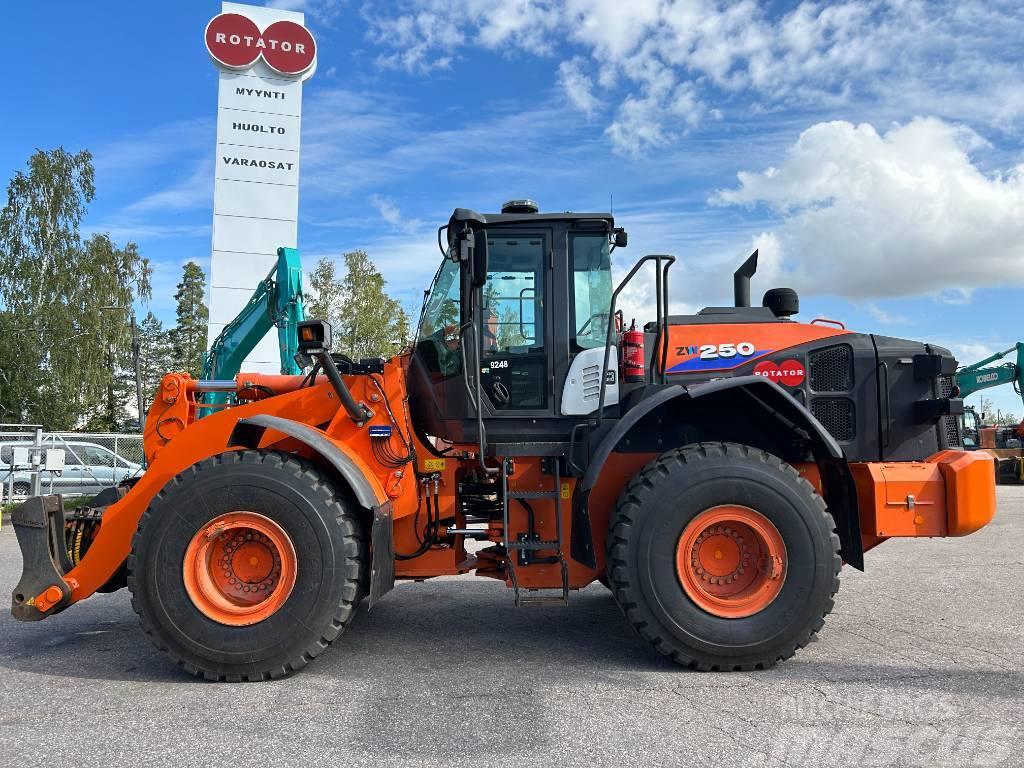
<point>788,372</point>
<point>717,351</point>
<point>498,364</point>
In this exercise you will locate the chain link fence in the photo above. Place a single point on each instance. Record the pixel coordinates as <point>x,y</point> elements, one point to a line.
<point>92,461</point>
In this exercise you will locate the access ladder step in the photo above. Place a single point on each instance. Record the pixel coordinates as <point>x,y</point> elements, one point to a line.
<point>533,494</point>
<point>533,546</point>
<point>526,601</point>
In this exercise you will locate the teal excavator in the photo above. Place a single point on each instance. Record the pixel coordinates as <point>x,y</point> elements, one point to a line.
<point>1004,443</point>
<point>277,301</point>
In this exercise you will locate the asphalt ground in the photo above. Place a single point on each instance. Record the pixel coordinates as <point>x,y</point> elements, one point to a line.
<point>920,664</point>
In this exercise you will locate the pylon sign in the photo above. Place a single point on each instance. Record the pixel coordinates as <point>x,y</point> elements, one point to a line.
<point>263,55</point>
<point>235,41</point>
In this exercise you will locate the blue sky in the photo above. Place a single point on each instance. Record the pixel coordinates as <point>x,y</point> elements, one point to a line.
<point>871,150</point>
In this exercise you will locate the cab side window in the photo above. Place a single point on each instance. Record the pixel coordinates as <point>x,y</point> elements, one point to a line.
<point>591,289</point>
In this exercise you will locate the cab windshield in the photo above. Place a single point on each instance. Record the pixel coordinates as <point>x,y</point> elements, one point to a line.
<point>438,337</point>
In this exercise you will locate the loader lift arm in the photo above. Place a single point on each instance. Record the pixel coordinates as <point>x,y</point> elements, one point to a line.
<point>277,301</point>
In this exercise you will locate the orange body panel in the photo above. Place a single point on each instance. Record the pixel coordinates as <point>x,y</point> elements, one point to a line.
<point>950,494</point>
<point>703,348</point>
<point>970,491</point>
<point>170,449</point>
<point>953,491</point>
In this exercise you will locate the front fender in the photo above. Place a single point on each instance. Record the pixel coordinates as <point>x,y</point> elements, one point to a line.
<point>369,494</point>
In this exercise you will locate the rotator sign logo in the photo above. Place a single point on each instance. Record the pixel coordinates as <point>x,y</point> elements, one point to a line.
<point>788,372</point>
<point>234,41</point>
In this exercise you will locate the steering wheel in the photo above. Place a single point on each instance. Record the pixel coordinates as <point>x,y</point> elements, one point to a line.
<point>500,394</point>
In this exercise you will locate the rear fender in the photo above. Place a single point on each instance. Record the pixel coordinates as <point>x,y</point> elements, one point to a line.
<point>764,401</point>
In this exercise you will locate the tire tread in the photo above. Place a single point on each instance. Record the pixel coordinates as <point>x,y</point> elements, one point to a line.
<point>624,519</point>
<point>354,546</point>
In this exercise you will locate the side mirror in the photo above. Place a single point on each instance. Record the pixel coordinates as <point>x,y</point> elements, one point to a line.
<point>479,258</point>
<point>621,239</point>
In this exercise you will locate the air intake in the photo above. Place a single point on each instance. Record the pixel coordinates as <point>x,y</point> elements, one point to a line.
<point>520,206</point>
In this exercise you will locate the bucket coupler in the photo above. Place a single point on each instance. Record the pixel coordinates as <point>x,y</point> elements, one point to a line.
<point>42,590</point>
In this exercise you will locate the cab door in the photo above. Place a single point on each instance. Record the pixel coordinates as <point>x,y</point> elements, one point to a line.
<point>515,325</point>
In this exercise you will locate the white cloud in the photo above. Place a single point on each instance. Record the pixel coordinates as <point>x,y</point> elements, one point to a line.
<point>194,191</point>
<point>322,11</point>
<point>668,62</point>
<point>160,146</point>
<point>392,214</point>
<point>907,212</point>
<point>578,86</point>
<point>884,316</point>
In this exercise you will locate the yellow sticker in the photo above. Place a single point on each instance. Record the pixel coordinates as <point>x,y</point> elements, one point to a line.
<point>565,490</point>
<point>434,465</point>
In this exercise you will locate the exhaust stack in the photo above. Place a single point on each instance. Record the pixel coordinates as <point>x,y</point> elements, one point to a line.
<point>741,280</point>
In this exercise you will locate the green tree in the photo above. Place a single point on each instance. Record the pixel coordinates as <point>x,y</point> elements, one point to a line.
<point>127,276</point>
<point>1007,419</point>
<point>63,303</point>
<point>155,355</point>
<point>324,300</point>
<point>188,337</point>
<point>366,322</point>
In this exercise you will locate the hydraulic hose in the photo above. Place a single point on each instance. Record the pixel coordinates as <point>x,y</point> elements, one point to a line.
<point>355,411</point>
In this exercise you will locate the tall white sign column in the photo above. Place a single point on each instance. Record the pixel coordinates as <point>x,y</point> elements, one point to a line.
<point>263,55</point>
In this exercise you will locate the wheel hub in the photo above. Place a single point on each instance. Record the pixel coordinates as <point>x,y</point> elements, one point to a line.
<point>731,561</point>
<point>240,568</point>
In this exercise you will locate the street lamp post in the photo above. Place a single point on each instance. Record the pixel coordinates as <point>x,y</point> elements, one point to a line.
<point>136,359</point>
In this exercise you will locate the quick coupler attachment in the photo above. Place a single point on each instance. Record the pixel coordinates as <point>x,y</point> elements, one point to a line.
<point>42,590</point>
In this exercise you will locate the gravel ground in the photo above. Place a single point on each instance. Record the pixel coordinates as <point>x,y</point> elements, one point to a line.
<point>919,664</point>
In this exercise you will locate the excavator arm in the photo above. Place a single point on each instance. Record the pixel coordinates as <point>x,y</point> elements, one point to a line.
<point>277,301</point>
<point>983,375</point>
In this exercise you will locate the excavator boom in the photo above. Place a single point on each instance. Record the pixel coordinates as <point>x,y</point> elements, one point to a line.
<point>277,301</point>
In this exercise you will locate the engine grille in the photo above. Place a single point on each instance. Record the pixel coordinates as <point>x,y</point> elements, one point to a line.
<point>837,415</point>
<point>949,426</point>
<point>831,369</point>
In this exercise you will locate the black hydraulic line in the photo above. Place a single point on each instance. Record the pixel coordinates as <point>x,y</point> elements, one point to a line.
<point>356,412</point>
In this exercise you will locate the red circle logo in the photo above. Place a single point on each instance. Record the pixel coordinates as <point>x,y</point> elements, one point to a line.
<point>234,41</point>
<point>788,372</point>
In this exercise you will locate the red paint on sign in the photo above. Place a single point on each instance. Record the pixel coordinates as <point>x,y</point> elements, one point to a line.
<point>292,49</point>
<point>234,41</point>
<point>788,372</point>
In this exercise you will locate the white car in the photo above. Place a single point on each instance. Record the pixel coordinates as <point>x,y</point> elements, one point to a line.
<point>88,469</point>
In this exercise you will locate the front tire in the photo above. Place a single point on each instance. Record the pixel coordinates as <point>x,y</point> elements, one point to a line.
<point>246,566</point>
<point>723,557</point>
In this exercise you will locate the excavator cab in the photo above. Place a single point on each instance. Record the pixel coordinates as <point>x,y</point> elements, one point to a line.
<point>496,320</point>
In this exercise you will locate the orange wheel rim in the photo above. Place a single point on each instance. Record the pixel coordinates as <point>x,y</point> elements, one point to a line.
<point>731,561</point>
<point>240,568</point>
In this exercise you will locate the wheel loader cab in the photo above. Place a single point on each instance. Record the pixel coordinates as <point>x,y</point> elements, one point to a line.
<point>516,317</point>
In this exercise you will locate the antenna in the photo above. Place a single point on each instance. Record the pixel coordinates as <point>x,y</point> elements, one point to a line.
<point>611,203</point>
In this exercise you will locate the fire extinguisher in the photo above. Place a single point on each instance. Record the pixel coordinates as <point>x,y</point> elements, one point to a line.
<point>633,354</point>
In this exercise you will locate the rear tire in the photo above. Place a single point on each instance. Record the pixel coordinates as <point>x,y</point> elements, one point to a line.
<point>322,550</point>
<point>652,542</point>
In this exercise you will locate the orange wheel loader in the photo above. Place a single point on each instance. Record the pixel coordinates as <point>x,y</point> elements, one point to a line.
<point>714,470</point>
